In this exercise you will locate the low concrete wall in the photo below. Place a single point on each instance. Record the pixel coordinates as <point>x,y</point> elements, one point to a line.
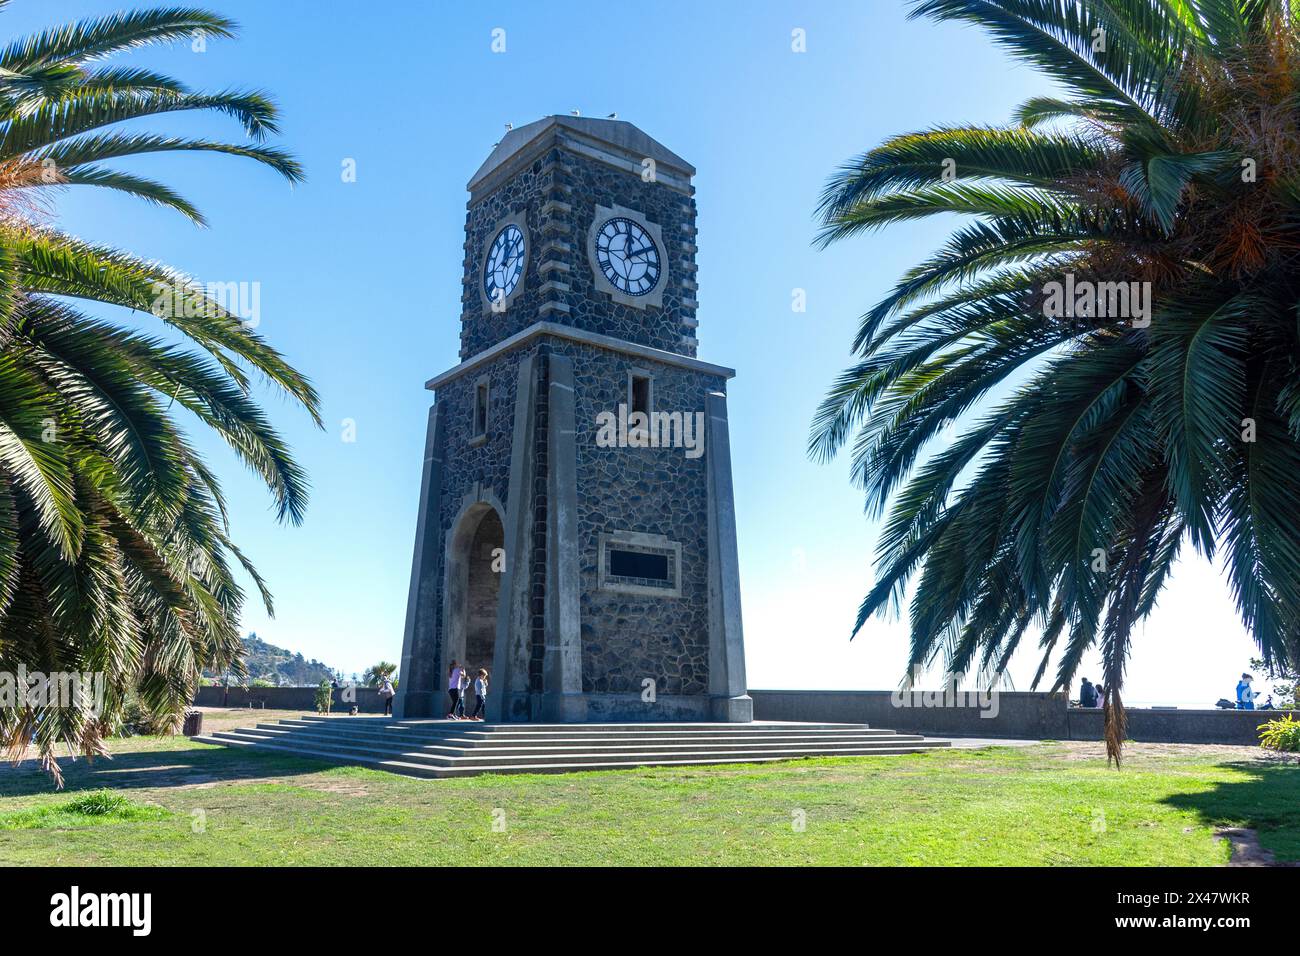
<point>1026,715</point>
<point>1176,726</point>
<point>367,699</point>
<point>1035,716</point>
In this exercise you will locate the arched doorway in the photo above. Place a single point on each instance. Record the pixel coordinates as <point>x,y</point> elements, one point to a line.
<point>476,560</point>
<point>486,561</point>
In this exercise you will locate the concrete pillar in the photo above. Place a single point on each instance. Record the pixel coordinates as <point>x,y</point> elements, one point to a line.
<point>729,697</point>
<point>508,692</point>
<point>418,693</point>
<point>562,698</point>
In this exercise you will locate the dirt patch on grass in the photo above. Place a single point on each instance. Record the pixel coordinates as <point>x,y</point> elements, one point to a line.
<point>336,786</point>
<point>1088,750</point>
<point>1246,850</point>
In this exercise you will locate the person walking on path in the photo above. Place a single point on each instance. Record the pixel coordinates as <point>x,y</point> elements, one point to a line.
<point>480,693</point>
<point>454,675</point>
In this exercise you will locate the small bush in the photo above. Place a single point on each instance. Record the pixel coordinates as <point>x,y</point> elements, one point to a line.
<point>324,697</point>
<point>1280,734</point>
<point>135,720</point>
<point>97,803</point>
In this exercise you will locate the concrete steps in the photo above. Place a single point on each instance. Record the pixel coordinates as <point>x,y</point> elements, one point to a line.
<point>447,748</point>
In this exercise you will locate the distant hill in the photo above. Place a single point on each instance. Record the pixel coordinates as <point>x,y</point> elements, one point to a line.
<point>280,667</point>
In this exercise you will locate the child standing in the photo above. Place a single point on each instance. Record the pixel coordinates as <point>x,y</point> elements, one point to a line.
<point>463,686</point>
<point>480,693</point>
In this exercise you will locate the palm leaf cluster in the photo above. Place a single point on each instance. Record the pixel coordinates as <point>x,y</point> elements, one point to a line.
<point>115,552</point>
<point>376,673</point>
<point>1090,449</point>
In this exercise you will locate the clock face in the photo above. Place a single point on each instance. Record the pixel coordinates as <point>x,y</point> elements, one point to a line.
<point>627,256</point>
<point>505,264</point>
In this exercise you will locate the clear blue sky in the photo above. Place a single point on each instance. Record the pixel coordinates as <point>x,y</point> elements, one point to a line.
<point>361,282</point>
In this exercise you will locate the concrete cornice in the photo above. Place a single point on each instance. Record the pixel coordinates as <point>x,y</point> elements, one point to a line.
<point>614,142</point>
<point>621,135</point>
<point>539,329</point>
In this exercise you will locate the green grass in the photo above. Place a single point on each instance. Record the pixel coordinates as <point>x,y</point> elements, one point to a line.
<point>1050,804</point>
<point>95,807</point>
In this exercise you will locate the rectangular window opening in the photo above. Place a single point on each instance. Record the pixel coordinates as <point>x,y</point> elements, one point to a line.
<point>640,397</point>
<point>639,564</point>
<point>480,409</point>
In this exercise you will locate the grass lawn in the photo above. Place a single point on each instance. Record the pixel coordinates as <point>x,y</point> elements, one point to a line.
<point>1049,804</point>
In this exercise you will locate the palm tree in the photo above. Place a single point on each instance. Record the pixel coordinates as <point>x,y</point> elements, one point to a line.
<point>375,673</point>
<point>1173,162</point>
<point>115,554</point>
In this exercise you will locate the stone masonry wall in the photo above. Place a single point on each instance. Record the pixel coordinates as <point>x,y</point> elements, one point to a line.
<point>629,637</point>
<point>559,193</point>
<point>466,462</point>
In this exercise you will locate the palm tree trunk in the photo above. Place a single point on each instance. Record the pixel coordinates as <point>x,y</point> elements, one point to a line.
<point>1148,513</point>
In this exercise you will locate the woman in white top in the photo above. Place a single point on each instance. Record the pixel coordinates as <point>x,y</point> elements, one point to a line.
<point>453,689</point>
<point>386,694</point>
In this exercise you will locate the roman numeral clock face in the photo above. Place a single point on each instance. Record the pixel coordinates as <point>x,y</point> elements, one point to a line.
<point>627,256</point>
<point>505,264</point>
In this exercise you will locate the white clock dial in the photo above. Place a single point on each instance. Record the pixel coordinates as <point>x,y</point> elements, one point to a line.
<point>627,257</point>
<point>505,264</point>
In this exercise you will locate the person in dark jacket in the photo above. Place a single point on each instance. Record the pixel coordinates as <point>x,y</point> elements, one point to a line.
<point>1087,694</point>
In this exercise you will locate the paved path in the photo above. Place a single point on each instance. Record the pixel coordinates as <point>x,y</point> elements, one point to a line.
<point>975,743</point>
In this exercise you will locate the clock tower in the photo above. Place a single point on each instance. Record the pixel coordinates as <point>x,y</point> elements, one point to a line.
<point>576,534</point>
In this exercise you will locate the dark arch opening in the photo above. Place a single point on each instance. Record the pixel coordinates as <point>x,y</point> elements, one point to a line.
<point>486,560</point>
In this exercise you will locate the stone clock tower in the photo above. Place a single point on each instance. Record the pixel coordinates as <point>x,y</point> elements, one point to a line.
<point>576,533</point>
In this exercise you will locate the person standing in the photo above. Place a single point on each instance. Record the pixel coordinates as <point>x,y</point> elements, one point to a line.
<point>463,685</point>
<point>453,689</point>
<point>386,694</point>
<point>480,693</point>
<point>1245,695</point>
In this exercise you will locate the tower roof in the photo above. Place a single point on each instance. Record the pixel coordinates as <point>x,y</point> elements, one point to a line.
<point>620,134</point>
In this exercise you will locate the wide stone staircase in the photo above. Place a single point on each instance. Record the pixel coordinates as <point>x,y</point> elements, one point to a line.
<point>447,748</point>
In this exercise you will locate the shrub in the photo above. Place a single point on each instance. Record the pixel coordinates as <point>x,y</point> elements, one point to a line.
<point>135,720</point>
<point>98,803</point>
<point>324,697</point>
<point>1280,734</point>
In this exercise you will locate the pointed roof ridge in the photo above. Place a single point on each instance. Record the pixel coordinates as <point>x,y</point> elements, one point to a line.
<point>626,137</point>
